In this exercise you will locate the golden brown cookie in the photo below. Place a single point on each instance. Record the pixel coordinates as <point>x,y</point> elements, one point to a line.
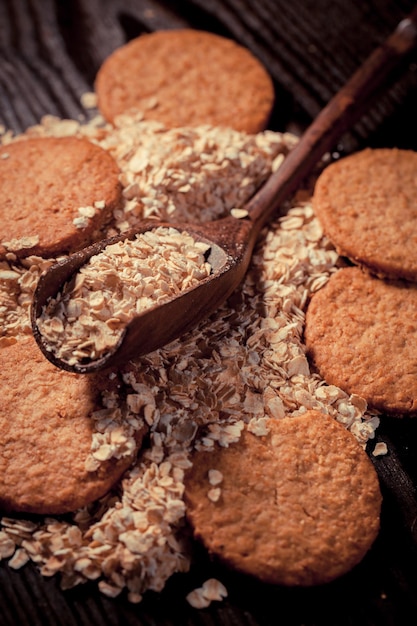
<point>186,77</point>
<point>299,506</point>
<point>46,430</point>
<point>367,204</point>
<point>55,194</point>
<point>361,335</point>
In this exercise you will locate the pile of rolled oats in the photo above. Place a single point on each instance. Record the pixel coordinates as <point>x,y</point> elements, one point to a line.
<point>87,318</point>
<point>243,365</point>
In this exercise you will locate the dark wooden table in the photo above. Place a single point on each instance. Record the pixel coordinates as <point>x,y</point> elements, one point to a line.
<point>49,54</point>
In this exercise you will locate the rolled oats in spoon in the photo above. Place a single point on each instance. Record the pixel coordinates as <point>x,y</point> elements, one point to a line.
<point>87,318</point>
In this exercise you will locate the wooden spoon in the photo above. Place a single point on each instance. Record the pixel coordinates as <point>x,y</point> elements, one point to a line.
<point>232,240</point>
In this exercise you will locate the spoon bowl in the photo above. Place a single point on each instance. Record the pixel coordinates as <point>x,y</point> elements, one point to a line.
<point>231,240</point>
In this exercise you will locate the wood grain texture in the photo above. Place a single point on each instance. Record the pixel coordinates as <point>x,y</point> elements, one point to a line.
<point>50,51</point>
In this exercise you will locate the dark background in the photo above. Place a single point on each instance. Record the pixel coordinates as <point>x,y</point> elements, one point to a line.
<point>50,52</point>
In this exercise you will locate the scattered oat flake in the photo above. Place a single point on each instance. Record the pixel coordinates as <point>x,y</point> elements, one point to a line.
<point>257,426</point>
<point>89,100</point>
<point>112,591</point>
<point>239,213</point>
<point>380,449</point>
<point>211,590</point>
<point>19,559</point>
<point>215,477</point>
<point>8,275</point>
<point>214,494</point>
<point>7,545</point>
<point>277,162</point>
<point>197,600</point>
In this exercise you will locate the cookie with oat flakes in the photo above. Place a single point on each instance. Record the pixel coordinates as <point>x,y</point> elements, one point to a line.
<point>46,434</point>
<point>367,204</point>
<point>298,507</point>
<point>56,194</point>
<point>186,77</point>
<point>361,335</point>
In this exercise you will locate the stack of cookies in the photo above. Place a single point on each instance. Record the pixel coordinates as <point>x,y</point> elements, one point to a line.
<point>361,328</point>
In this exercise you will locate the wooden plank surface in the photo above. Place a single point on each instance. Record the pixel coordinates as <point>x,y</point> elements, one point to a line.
<point>49,54</point>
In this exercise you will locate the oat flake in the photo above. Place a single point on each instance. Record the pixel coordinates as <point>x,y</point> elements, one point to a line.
<point>87,319</point>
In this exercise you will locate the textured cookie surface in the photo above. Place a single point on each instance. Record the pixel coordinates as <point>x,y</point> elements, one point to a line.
<point>185,78</point>
<point>55,193</point>
<point>367,204</point>
<point>299,506</point>
<point>361,334</point>
<point>46,433</point>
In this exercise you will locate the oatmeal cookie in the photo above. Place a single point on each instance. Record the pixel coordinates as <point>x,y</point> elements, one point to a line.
<point>186,77</point>
<point>55,194</point>
<point>299,506</point>
<point>361,335</point>
<point>46,432</point>
<point>367,204</point>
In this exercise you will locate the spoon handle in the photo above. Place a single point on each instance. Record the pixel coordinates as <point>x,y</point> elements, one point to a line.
<point>343,110</point>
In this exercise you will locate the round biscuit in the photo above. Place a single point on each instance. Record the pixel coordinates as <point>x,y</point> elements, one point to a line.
<point>186,77</point>
<point>367,205</point>
<point>298,507</point>
<point>46,435</point>
<point>361,335</point>
<point>44,181</point>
